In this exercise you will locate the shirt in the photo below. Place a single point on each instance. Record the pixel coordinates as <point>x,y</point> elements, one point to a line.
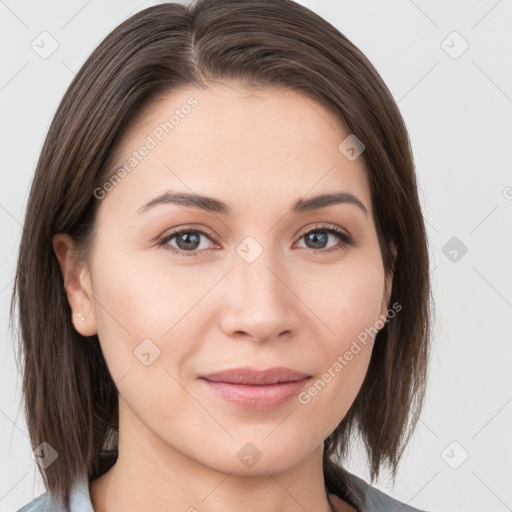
<point>373,499</point>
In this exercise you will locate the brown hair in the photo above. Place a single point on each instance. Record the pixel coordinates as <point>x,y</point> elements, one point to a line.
<point>70,398</point>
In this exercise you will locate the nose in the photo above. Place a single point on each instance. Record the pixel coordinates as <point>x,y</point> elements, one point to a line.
<point>259,300</point>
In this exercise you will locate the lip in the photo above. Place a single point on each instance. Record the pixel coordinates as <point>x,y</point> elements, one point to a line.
<point>251,376</point>
<point>257,389</point>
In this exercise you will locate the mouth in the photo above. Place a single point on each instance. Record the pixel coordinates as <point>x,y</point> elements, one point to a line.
<point>255,389</point>
<point>252,377</point>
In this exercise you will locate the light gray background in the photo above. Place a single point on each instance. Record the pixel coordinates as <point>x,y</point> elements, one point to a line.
<point>458,109</point>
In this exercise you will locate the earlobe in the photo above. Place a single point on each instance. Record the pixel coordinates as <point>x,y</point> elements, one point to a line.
<point>77,285</point>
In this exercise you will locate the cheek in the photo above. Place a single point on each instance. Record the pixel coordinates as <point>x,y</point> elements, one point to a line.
<point>136,298</point>
<point>147,318</point>
<point>347,303</point>
<point>346,355</point>
<point>347,298</point>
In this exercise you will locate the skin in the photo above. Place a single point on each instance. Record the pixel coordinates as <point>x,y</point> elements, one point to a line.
<point>295,305</point>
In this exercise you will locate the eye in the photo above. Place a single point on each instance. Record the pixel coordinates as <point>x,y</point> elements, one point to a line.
<point>317,238</point>
<point>188,241</point>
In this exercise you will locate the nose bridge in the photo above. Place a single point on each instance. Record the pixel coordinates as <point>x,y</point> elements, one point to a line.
<point>259,302</point>
<point>258,271</point>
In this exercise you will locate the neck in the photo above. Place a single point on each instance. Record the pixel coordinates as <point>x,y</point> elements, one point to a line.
<point>149,474</point>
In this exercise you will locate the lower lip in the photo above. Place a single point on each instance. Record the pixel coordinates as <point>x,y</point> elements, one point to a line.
<point>257,397</point>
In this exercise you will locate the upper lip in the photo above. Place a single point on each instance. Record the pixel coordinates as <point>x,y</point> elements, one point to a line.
<point>251,376</point>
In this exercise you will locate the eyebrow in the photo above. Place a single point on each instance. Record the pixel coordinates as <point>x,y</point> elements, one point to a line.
<point>212,205</point>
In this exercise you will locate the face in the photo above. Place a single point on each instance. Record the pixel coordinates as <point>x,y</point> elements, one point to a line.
<point>176,292</point>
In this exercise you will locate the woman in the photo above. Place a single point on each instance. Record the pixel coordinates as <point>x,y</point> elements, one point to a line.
<point>224,270</point>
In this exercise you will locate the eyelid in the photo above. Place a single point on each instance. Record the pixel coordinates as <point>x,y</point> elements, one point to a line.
<point>162,239</point>
<point>325,225</point>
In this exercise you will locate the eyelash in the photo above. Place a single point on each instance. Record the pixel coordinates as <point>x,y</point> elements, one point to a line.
<point>346,240</point>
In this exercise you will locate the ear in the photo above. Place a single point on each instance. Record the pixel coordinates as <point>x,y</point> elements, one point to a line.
<point>388,285</point>
<point>77,283</point>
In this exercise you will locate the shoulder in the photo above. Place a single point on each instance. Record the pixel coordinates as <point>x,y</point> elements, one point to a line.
<point>43,503</point>
<point>80,501</point>
<point>375,500</point>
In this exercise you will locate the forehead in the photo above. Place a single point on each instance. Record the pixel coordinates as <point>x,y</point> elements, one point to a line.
<point>242,144</point>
